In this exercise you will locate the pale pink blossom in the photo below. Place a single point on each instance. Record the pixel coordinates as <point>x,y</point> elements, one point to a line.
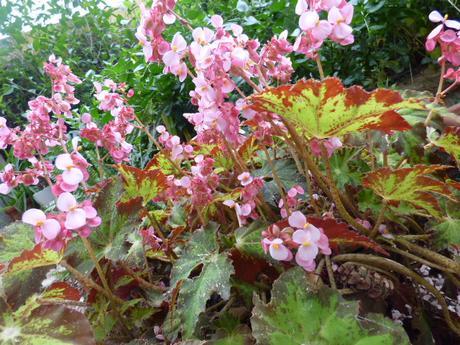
<point>71,175</point>
<point>49,228</point>
<point>245,178</point>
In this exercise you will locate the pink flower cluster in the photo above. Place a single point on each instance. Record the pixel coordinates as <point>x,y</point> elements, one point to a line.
<point>54,230</point>
<point>292,200</point>
<point>301,236</point>
<point>316,30</point>
<point>447,35</point>
<point>173,145</point>
<point>112,136</point>
<point>217,56</point>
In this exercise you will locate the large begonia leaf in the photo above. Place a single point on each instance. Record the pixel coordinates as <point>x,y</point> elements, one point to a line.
<point>36,324</point>
<point>34,258</point>
<point>202,250</point>
<point>299,313</point>
<point>450,142</point>
<point>339,234</point>
<point>324,109</point>
<point>409,185</point>
<point>141,183</point>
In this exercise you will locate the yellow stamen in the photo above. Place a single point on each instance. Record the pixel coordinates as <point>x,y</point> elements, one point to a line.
<point>306,244</point>
<point>276,246</point>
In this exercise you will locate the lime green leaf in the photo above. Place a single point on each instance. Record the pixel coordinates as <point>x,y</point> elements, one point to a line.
<point>15,238</point>
<point>247,239</point>
<point>448,232</point>
<point>141,183</point>
<point>410,185</point>
<point>450,142</point>
<point>299,314</point>
<point>324,109</point>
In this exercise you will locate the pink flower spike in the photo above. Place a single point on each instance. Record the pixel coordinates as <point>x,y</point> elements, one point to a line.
<point>278,250</point>
<point>71,174</point>
<point>245,178</point>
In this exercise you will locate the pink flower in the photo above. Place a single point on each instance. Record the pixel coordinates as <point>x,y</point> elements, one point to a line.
<point>49,228</point>
<point>71,174</point>
<point>245,178</point>
<point>277,249</point>
<point>298,221</point>
<point>340,19</point>
<point>75,216</point>
<point>308,247</point>
<point>330,145</point>
<point>319,29</point>
<point>436,17</point>
<point>4,130</point>
<point>178,45</point>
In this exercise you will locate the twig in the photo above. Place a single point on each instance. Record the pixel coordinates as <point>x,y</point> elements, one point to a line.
<point>140,280</point>
<point>380,218</point>
<point>394,266</point>
<point>438,93</point>
<point>330,272</point>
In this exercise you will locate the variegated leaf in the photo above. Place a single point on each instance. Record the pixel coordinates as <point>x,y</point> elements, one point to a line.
<point>450,142</point>
<point>146,184</point>
<point>409,185</point>
<point>36,257</point>
<point>324,109</point>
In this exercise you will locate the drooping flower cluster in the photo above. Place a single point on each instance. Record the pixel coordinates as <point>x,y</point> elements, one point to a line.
<point>316,30</point>
<point>447,35</point>
<point>292,199</point>
<point>112,136</point>
<point>305,238</point>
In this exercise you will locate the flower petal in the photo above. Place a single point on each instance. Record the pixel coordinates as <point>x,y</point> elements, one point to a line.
<point>435,17</point>
<point>308,20</point>
<point>51,229</point>
<point>63,161</point>
<point>301,236</point>
<point>33,216</point>
<point>279,252</point>
<point>75,219</point>
<point>66,202</point>
<point>307,253</point>
<point>453,24</point>
<point>72,176</point>
<point>297,220</point>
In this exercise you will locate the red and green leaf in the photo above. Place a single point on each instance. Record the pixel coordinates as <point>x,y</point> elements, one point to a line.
<point>146,184</point>
<point>61,290</point>
<point>340,235</point>
<point>162,163</point>
<point>409,185</point>
<point>450,142</point>
<point>324,109</point>
<point>36,257</point>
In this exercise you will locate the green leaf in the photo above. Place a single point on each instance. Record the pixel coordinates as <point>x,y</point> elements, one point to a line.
<point>14,239</point>
<point>34,258</point>
<point>202,249</point>
<point>214,278</point>
<point>450,142</point>
<point>247,239</point>
<point>300,313</point>
<point>448,233</point>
